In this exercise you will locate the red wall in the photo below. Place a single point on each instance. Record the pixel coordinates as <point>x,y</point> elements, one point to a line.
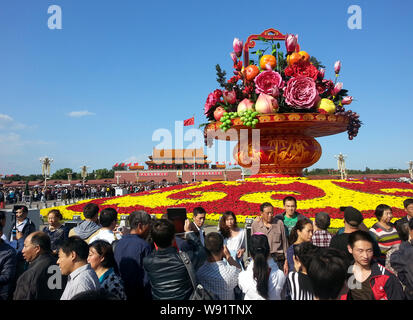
<point>171,176</point>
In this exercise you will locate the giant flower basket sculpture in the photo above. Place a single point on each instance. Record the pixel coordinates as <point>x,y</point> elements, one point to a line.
<point>286,99</point>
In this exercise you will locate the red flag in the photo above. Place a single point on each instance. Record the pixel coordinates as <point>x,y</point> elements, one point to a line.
<point>122,164</point>
<point>135,164</point>
<point>230,163</point>
<point>117,164</point>
<point>129,164</point>
<point>189,122</point>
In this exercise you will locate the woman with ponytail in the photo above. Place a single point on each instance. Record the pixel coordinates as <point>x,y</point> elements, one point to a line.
<point>298,285</point>
<point>262,280</point>
<point>302,232</point>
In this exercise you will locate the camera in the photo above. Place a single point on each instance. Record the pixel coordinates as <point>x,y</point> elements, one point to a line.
<point>178,217</point>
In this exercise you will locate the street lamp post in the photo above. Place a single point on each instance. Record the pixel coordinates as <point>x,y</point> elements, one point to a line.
<point>341,163</point>
<point>46,162</point>
<point>84,173</point>
<point>410,163</point>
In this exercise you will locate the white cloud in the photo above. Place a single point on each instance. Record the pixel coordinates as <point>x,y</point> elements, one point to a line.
<point>12,144</point>
<point>78,114</point>
<point>5,117</point>
<point>10,138</point>
<point>8,123</point>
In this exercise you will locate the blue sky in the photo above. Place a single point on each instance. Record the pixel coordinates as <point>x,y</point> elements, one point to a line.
<point>127,68</point>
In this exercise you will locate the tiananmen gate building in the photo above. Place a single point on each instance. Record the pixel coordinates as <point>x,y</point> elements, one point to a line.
<point>177,165</point>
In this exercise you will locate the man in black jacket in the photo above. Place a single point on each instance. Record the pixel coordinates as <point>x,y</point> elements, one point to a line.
<point>22,228</point>
<point>197,225</point>
<point>42,280</point>
<point>167,272</point>
<point>7,263</point>
<point>352,221</point>
<point>408,207</point>
<point>401,261</point>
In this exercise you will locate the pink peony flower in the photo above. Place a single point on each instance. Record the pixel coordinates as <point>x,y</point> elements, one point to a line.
<point>237,45</point>
<point>301,93</point>
<point>266,104</point>
<point>266,82</point>
<point>230,97</point>
<point>212,100</point>
<point>291,42</point>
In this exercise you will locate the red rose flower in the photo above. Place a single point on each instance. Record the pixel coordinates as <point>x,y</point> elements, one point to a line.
<point>325,85</point>
<point>303,68</point>
<point>217,94</point>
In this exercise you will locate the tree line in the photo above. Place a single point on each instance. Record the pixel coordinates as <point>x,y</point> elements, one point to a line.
<point>62,174</point>
<point>318,171</point>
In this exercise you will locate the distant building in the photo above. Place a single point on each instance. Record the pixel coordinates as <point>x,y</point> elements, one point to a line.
<point>177,165</point>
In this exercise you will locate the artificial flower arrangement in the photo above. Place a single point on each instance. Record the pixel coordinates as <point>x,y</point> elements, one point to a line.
<point>279,83</point>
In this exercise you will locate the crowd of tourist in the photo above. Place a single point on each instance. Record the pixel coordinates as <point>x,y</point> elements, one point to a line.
<point>277,257</point>
<point>14,195</point>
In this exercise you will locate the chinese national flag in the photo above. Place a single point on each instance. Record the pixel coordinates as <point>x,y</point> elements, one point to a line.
<point>116,165</point>
<point>129,164</point>
<point>189,122</point>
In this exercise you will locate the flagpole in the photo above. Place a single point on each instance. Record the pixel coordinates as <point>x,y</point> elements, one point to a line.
<point>194,152</point>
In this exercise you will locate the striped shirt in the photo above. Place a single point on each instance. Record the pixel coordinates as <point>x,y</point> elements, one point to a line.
<point>81,280</point>
<point>298,287</point>
<point>386,238</point>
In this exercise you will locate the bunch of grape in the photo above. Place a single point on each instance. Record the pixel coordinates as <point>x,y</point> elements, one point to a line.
<point>249,118</point>
<point>354,122</point>
<point>226,120</point>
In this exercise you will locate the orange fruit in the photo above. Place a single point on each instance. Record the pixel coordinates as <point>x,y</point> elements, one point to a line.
<point>270,59</point>
<point>304,55</point>
<point>251,72</point>
<point>294,58</point>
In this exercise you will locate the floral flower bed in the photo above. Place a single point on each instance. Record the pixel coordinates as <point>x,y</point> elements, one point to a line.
<point>245,197</point>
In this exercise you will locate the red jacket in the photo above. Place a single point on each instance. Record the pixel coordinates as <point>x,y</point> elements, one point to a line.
<point>384,284</point>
